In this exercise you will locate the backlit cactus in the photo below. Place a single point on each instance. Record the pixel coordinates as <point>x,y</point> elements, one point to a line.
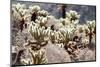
<point>72,15</point>
<point>39,57</point>
<point>34,8</point>
<point>91,25</point>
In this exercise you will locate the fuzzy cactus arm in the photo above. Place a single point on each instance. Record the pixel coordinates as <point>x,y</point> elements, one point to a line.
<point>39,57</point>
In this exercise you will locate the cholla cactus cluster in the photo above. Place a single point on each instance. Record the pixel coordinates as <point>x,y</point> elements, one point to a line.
<point>35,8</point>
<point>72,15</point>
<point>19,11</point>
<point>35,20</point>
<point>91,24</point>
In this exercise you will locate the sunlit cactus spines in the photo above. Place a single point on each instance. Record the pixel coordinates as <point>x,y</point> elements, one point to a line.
<point>34,8</point>
<point>85,42</point>
<point>43,13</point>
<point>66,34</point>
<point>73,16</point>
<point>39,56</point>
<point>65,22</point>
<point>19,6</point>
<point>33,57</point>
<point>39,34</point>
<point>91,25</point>
<point>43,21</point>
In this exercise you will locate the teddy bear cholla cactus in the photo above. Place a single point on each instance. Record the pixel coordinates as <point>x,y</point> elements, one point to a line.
<point>72,15</point>
<point>69,25</point>
<point>67,28</point>
<point>18,9</point>
<point>39,57</point>
<point>91,23</point>
<point>41,20</point>
<point>38,33</point>
<point>18,6</point>
<point>36,57</point>
<point>91,26</point>
<point>41,37</point>
<point>34,8</point>
<point>63,35</point>
<point>64,21</point>
<point>21,15</point>
<point>85,42</point>
<point>32,53</point>
<point>43,13</point>
<point>27,55</point>
<point>71,19</point>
